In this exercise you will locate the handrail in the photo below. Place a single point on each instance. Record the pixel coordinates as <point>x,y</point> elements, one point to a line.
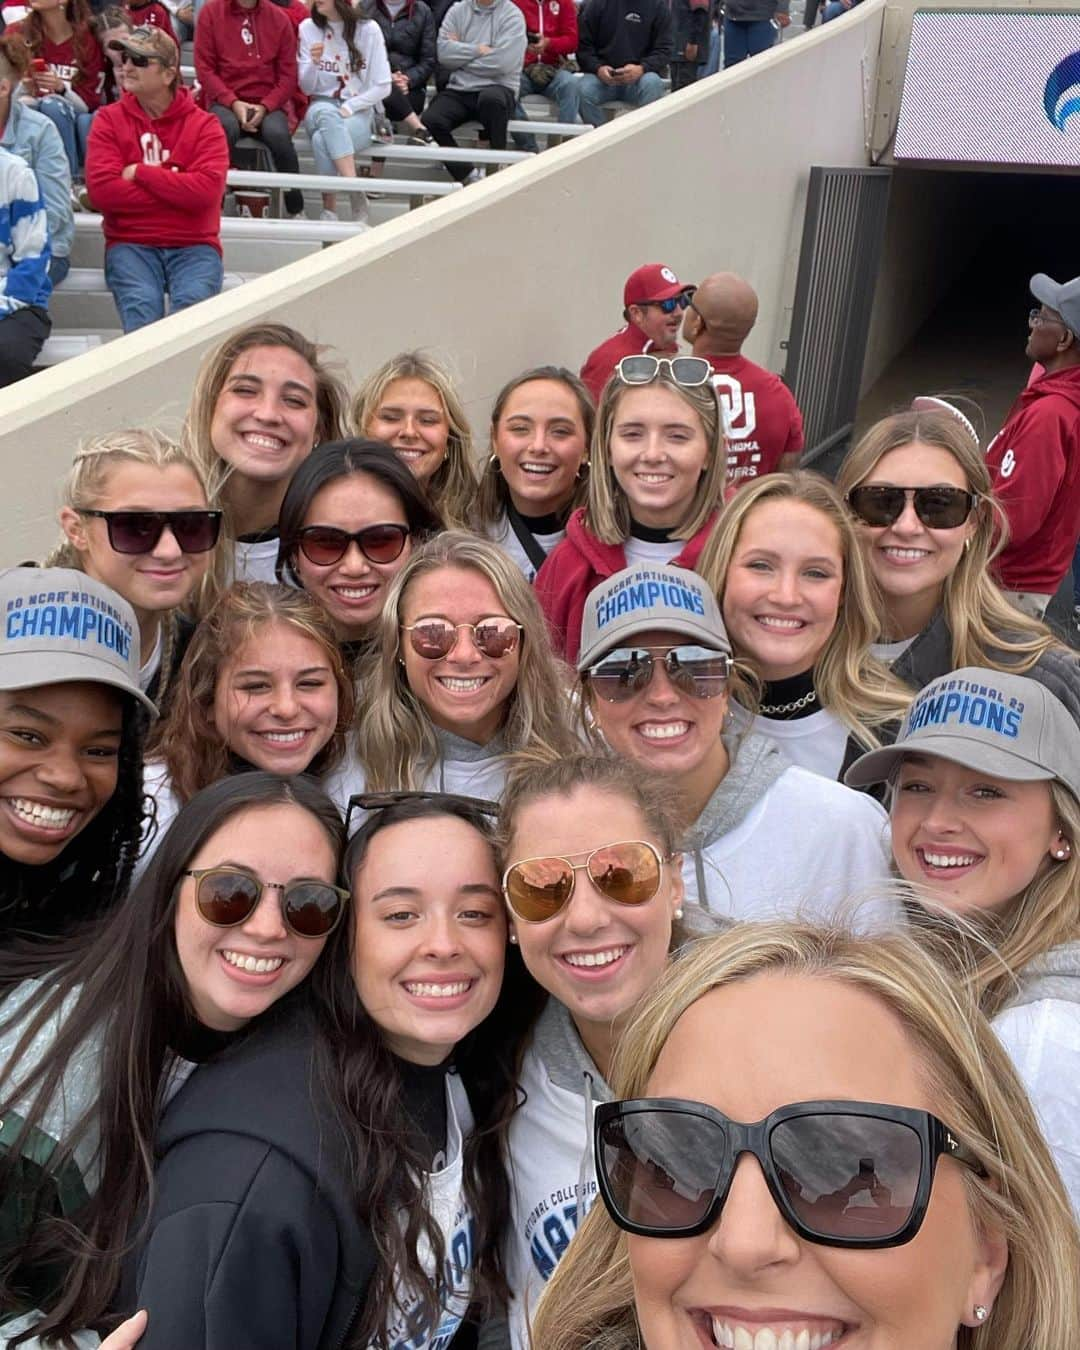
<point>317,182</point>
<point>245,227</point>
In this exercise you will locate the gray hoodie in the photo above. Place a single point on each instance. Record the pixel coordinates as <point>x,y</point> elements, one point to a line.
<point>469,26</point>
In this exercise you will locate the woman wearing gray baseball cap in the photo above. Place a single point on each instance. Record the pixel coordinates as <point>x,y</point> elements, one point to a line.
<point>70,756</point>
<point>985,779</point>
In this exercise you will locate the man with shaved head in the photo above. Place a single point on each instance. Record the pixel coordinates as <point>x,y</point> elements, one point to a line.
<point>763,422</point>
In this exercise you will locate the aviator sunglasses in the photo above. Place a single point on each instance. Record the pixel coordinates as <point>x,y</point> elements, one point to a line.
<point>227,897</point>
<point>536,889</point>
<point>433,638</point>
<point>688,371</point>
<point>939,508</point>
<point>324,545</point>
<point>140,531</point>
<point>842,1174</point>
<point>622,674</point>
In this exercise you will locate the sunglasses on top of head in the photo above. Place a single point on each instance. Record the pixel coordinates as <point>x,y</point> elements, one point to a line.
<point>140,531</point>
<point>324,545</point>
<point>628,872</point>
<point>622,674</point>
<point>939,508</point>
<point>228,896</point>
<point>841,1173</point>
<point>688,371</point>
<point>670,305</point>
<point>433,637</point>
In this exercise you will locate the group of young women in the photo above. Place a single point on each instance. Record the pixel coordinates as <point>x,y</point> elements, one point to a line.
<point>525,845</point>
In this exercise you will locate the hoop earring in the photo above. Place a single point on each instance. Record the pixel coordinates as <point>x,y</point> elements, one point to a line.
<point>581,469</point>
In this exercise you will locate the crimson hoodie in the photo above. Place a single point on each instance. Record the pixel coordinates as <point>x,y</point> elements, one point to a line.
<point>601,361</point>
<point>557,21</point>
<point>578,564</point>
<point>259,70</point>
<point>181,161</point>
<point>1034,461</point>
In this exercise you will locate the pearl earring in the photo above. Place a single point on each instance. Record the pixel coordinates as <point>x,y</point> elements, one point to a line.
<point>513,939</point>
<point>678,913</point>
<point>981,1313</point>
<point>1061,854</point>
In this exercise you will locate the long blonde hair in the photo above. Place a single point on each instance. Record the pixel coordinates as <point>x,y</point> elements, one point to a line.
<point>984,628</point>
<point>589,1303</point>
<point>452,487</point>
<point>395,739</point>
<point>607,510</point>
<point>859,689</point>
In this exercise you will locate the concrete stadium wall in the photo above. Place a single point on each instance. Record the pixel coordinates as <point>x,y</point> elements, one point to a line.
<point>525,268</point>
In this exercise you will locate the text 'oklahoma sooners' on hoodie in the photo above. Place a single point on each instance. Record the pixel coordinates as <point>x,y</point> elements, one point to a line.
<point>182,157</point>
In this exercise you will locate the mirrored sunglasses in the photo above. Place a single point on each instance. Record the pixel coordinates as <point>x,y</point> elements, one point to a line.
<point>622,674</point>
<point>432,637</point>
<point>629,872</point>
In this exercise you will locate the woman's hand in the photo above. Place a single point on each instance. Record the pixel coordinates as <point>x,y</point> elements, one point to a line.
<point>345,112</point>
<point>127,1334</point>
<point>316,50</point>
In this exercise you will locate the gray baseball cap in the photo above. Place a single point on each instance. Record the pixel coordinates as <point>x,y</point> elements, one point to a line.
<point>1007,726</point>
<point>1064,296</point>
<point>60,625</point>
<point>643,598</point>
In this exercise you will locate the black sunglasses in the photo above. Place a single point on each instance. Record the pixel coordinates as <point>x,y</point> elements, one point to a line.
<point>379,801</point>
<point>670,305</point>
<point>128,57</point>
<point>140,531</point>
<point>622,675</point>
<point>227,897</point>
<point>324,545</point>
<point>842,1174</point>
<point>939,508</point>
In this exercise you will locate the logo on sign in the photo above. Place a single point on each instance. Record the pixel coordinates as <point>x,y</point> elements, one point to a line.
<point>1061,98</point>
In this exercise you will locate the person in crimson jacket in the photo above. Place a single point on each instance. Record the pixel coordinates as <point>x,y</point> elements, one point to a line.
<point>155,169</point>
<point>653,301</point>
<point>1035,457</point>
<point>67,75</point>
<point>624,47</point>
<point>764,425</point>
<point>551,28</point>
<point>152,13</point>
<point>245,62</point>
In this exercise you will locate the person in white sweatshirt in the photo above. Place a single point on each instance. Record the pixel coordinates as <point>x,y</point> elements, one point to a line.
<point>985,780</point>
<point>762,838</point>
<point>344,69</point>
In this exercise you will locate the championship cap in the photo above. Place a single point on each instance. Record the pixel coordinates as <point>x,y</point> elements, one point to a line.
<point>642,599</point>
<point>654,281</point>
<point>1008,726</point>
<point>60,625</point>
<point>148,40</point>
<point>1064,296</point>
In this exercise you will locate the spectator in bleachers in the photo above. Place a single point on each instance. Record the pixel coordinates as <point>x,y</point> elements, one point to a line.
<point>764,425</point>
<point>24,269</point>
<point>409,31</point>
<point>653,302</point>
<point>751,26</point>
<point>624,47</point>
<point>156,168</point>
<point>34,138</point>
<point>110,25</point>
<point>1035,457</point>
<point>482,44</point>
<point>344,69</point>
<point>245,62</point>
<point>151,12</point>
<point>690,27</point>
<point>67,70</point>
<point>551,27</point>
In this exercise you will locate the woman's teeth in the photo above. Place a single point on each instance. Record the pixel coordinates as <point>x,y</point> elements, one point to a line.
<point>262,442</point>
<point>950,859</point>
<point>653,478</point>
<point>457,686</point>
<point>781,625</point>
<point>540,470</point>
<point>604,958</point>
<point>45,817</point>
<point>425,990</point>
<point>254,965</point>
<point>906,554</point>
<point>741,1338</point>
<point>355,592</point>
<point>663,731</point>
<point>283,737</point>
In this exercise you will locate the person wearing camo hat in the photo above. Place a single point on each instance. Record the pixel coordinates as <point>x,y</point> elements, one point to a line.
<point>985,780</point>
<point>71,711</point>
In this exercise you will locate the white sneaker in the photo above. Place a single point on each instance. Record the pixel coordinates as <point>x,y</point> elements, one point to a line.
<point>474,176</point>
<point>360,208</point>
<point>327,214</point>
<point>296,215</point>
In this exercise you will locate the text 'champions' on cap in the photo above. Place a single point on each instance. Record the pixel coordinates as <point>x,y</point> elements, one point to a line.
<point>640,598</point>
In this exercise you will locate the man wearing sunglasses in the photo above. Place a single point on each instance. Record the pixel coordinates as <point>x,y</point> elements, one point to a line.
<point>1035,457</point>
<point>763,423</point>
<point>654,301</point>
<point>155,169</point>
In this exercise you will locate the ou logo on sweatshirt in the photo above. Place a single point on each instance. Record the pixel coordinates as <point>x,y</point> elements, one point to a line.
<point>740,408</point>
<point>153,152</point>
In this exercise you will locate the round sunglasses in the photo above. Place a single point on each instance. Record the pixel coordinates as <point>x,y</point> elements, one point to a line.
<point>227,896</point>
<point>688,371</point>
<point>432,637</point>
<point>841,1173</point>
<point>622,674</point>
<point>939,508</point>
<point>324,545</point>
<point>139,531</point>
<point>629,873</point>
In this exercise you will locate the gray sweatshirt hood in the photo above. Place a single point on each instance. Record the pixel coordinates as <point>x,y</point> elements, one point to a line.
<point>1054,975</point>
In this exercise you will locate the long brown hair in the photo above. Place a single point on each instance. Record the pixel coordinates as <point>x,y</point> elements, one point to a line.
<point>77,13</point>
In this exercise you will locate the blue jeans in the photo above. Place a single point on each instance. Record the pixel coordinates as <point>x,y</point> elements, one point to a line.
<point>140,276</point>
<point>74,128</point>
<point>563,90</point>
<point>333,136</point>
<point>58,269</point>
<point>833,10</point>
<point>743,39</point>
<point>593,91</point>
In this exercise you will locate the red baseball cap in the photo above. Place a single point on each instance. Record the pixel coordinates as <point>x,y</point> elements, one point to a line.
<point>654,281</point>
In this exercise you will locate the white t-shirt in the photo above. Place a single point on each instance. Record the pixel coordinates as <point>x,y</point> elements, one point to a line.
<point>158,787</point>
<point>808,849</point>
<point>656,552</point>
<point>151,665</point>
<point>255,562</point>
<point>502,533</point>
<point>816,742</point>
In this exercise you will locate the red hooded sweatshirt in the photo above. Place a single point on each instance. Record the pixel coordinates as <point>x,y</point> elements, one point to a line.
<point>557,21</point>
<point>246,54</point>
<point>181,158</point>
<point>601,361</point>
<point>578,564</point>
<point>1034,461</point>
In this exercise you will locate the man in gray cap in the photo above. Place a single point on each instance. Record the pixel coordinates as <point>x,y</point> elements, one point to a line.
<point>1035,457</point>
